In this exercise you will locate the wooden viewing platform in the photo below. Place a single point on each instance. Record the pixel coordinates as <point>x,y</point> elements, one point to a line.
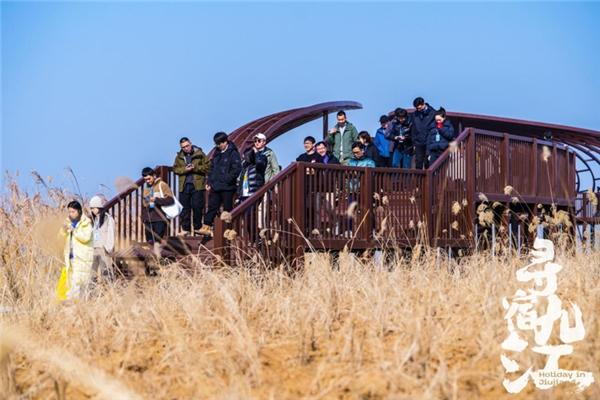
<point>307,206</point>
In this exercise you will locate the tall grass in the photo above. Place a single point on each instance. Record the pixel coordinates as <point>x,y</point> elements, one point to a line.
<point>417,328</point>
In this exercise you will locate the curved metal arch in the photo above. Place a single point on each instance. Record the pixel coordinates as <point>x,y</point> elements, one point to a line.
<point>277,124</point>
<point>593,157</point>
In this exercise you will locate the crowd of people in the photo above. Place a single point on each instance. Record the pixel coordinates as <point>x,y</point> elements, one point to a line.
<point>403,140</point>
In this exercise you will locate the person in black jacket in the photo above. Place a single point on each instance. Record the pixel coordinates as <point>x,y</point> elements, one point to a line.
<point>252,176</point>
<point>369,147</point>
<point>327,157</point>
<point>422,124</point>
<point>225,167</point>
<point>310,155</point>
<point>399,132</point>
<point>440,136</point>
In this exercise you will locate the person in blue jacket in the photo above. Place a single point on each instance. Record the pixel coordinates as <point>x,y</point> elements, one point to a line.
<point>422,123</point>
<point>440,136</point>
<point>384,146</point>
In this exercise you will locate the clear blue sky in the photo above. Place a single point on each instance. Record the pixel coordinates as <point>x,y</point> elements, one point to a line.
<point>108,88</point>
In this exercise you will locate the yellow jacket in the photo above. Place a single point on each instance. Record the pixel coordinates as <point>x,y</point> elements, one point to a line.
<point>81,239</point>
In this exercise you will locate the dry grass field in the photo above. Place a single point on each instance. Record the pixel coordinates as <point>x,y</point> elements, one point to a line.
<point>418,328</point>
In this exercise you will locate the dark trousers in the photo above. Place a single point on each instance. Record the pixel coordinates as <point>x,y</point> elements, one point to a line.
<point>385,162</point>
<point>192,201</point>
<point>155,231</point>
<point>434,155</point>
<point>421,156</point>
<point>216,199</point>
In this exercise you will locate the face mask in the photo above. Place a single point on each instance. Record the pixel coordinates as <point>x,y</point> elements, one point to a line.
<point>440,124</point>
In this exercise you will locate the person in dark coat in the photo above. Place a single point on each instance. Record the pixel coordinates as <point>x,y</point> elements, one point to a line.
<point>440,136</point>
<point>252,176</point>
<point>310,155</point>
<point>399,132</point>
<point>369,147</point>
<point>422,124</point>
<point>225,167</point>
<point>327,157</point>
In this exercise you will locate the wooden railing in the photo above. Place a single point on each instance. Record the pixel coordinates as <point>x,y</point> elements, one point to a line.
<point>332,206</point>
<point>536,174</point>
<point>126,208</point>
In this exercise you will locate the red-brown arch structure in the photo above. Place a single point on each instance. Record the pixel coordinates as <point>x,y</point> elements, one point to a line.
<point>584,142</point>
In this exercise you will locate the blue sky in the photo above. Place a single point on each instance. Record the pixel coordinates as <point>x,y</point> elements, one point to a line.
<point>108,88</point>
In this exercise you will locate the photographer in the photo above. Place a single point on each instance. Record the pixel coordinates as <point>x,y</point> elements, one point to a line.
<point>399,132</point>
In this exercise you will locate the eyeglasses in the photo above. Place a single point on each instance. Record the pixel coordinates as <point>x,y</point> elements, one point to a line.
<point>258,140</point>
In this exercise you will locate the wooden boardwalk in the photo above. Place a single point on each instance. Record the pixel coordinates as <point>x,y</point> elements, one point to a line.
<point>522,168</point>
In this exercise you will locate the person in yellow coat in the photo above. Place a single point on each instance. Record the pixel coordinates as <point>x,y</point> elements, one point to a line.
<point>79,250</point>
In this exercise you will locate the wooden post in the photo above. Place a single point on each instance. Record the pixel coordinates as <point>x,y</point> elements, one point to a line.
<point>218,242</point>
<point>555,179</point>
<point>366,204</point>
<point>429,214</point>
<point>534,166</point>
<point>506,159</point>
<point>325,124</point>
<point>163,173</point>
<point>299,209</point>
<point>471,165</point>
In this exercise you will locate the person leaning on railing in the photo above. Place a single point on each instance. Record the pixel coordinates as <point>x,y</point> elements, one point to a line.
<point>440,136</point>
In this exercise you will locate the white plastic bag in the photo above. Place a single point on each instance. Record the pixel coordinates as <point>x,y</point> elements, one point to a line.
<point>174,209</point>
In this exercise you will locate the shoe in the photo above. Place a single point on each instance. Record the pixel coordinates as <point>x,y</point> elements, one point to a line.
<point>205,230</point>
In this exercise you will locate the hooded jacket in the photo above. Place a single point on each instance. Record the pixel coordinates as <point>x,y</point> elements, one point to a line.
<point>200,163</point>
<point>225,167</point>
<point>439,139</point>
<point>80,245</point>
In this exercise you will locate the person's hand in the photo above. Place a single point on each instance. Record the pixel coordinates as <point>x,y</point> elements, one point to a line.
<point>189,167</point>
<point>333,130</point>
<point>207,187</point>
<point>68,228</point>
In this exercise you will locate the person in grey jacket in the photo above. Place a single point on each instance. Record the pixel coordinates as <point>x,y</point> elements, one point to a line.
<point>103,231</point>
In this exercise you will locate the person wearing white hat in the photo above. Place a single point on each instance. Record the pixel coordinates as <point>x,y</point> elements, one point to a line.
<point>260,146</point>
<point>103,226</point>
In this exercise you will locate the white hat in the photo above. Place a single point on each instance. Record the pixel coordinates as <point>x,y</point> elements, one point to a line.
<point>260,136</point>
<point>96,202</point>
